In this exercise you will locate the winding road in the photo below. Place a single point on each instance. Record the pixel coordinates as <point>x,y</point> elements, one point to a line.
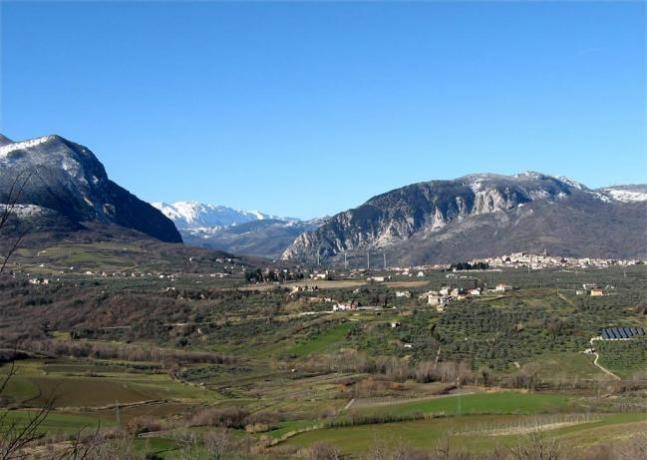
<point>597,357</point>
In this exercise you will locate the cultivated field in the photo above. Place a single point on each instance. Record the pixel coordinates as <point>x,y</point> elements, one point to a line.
<point>178,365</point>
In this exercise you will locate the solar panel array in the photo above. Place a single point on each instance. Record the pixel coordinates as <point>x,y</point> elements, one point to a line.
<point>615,333</point>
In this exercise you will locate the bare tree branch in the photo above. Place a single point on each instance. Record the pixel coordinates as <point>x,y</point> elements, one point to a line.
<point>13,198</point>
<point>12,371</point>
<point>14,246</point>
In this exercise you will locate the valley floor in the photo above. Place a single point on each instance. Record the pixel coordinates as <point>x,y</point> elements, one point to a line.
<point>182,368</point>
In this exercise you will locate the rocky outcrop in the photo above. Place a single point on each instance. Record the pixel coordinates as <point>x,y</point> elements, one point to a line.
<point>436,221</point>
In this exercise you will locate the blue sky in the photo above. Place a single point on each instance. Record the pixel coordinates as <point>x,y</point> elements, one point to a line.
<point>305,109</point>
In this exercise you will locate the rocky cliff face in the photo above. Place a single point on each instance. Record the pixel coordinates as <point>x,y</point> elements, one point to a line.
<point>65,180</point>
<point>435,221</point>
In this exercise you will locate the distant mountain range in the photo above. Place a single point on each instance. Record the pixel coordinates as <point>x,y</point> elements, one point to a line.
<point>484,215</point>
<point>66,189</point>
<point>194,215</point>
<point>232,230</point>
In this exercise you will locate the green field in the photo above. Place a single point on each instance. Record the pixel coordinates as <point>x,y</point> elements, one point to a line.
<point>58,422</point>
<point>326,341</point>
<point>566,365</point>
<point>471,433</point>
<point>167,362</point>
<point>483,403</point>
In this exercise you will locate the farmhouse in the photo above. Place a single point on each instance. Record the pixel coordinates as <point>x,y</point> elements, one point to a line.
<point>597,292</point>
<point>405,294</point>
<point>438,300</point>
<point>502,288</point>
<point>456,292</point>
<point>44,281</point>
<point>343,307</point>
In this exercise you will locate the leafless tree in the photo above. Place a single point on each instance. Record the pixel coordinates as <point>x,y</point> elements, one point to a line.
<point>636,447</point>
<point>17,434</point>
<point>7,210</point>
<point>322,451</point>
<point>537,447</point>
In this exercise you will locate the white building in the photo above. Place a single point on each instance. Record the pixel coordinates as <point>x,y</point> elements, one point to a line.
<point>342,307</point>
<point>502,288</point>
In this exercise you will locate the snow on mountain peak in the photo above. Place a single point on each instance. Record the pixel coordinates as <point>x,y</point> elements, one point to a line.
<point>13,146</point>
<point>193,214</point>
<point>530,175</point>
<point>626,195</point>
<point>572,183</point>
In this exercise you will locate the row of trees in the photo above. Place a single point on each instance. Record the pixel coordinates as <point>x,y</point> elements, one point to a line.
<point>469,266</point>
<point>272,276</point>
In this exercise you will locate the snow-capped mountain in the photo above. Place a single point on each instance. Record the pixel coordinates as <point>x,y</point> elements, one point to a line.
<point>191,215</point>
<point>233,230</point>
<point>626,193</point>
<point>66,188</point>
<point>482,215</point>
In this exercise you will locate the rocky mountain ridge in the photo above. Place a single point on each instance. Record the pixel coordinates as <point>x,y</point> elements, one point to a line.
<point>482,215</point>
<point>60,184</point>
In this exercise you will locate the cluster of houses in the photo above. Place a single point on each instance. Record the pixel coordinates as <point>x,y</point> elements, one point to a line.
<point>354,306</point>
<point>447,294</point>
<point>541,261</point>
<point>39,281</point>
<point>416,271</point>
<point>162,276</point>
<point>438,299</point>
<point>377,279</point>
<point>294,290</point>
<point>530,260</point>
<point>344,306</point>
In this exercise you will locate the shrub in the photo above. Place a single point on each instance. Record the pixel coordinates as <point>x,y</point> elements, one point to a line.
<point>144,424</point>
<point>322,451</point>
<point>226,418</point>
